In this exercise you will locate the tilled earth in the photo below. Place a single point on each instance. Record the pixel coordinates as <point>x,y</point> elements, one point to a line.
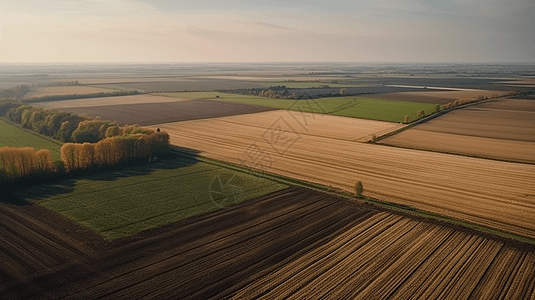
<point>295,243</point>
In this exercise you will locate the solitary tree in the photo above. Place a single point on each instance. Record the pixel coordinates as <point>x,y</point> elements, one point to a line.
<point>359,189</point>
<point>343,91</point>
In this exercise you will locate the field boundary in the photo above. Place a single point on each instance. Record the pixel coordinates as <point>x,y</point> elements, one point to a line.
<point>380,204</point>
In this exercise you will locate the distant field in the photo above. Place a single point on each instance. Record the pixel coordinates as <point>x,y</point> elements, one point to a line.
<point>64,90</point>
<point>121,203</point>
<point>486,192</point>
<point>358,107</point>
<point>502,130</point>
<point>439,97</point>
<point>182,84</point>
<point>306,84</point>
<point>205,95</point>
<point>13,136</point>
<point>155,113</point>
<point>105,101</point>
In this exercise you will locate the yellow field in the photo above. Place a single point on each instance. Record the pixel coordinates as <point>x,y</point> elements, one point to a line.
<point>64,90</point>
<point>491,193</point>
<point>503,129</point>
<point>105,101</point>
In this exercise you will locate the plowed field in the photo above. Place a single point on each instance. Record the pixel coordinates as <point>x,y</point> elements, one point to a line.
<point>105,101</point>
<point>503,130</point>
<point>496,194</point>
<point>154,113</point>
<point>294,243</point>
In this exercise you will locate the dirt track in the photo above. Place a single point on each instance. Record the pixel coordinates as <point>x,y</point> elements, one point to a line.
<point>154,113</point>
<point>503,130</point>
<point>491,193</point>
<point>294,243</point>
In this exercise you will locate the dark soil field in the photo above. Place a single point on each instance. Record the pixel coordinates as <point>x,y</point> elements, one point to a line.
<point>295,243</point>
<point>156,113</point>
<point>188,84</point>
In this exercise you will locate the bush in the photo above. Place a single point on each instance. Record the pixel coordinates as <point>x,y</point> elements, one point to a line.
<point>359,189</point>
<point>407,119</point>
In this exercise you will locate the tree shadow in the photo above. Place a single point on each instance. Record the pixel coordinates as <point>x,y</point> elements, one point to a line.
<point>23,193</point>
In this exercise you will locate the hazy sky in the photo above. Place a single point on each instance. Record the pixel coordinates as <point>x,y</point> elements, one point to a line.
<point>267,31</point>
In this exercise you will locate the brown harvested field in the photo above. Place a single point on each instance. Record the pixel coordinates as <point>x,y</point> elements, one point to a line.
<point>491,193</point>
<point>503,130</point>
<point>154,113</point>
<point>105,101</point>
<point>438,97</point>
<point>64,90</point>
<point>507,150</point>
<point>321,125</point>
<point>295,243</point>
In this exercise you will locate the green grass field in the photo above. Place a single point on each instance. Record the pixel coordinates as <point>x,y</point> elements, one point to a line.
<point>357,107</point>
<point>14,136</point>
<point>121,203</point>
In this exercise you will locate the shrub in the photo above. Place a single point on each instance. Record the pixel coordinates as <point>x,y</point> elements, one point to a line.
<point>359,189</point>
<point>407,119</point>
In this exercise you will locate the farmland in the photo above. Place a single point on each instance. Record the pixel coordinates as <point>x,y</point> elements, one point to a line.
<point>182,84</point>
<point>485,192</point>
<point>105,101</point>
<point>14,136</point>
<point>503,130</point>
<point>293,243</point>
<point>305,84</point>
<point>64,90</point>
<point>154,113</point>
<point>122,203</point>
<point>439,97</point>
<point>357,107</point>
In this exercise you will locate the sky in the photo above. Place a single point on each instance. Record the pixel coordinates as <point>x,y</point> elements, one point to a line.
<point>157,31</point>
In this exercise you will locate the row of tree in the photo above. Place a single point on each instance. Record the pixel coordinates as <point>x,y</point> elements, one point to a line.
<point>17,163</point>
<point>80,96</point>
<point>115,150</point>
<point>16,92</point>
<point>21,162</point>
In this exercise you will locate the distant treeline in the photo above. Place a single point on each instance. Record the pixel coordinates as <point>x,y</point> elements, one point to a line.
<point>80,96</point>
<point>16,92</point>
<point>63,126</point>
<point>96,143</point>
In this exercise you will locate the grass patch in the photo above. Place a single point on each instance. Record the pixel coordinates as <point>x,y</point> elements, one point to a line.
<point>119,204</point>
<point>14,136</point>
<point>357,107</point>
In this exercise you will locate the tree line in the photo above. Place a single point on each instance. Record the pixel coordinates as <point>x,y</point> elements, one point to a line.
<point>115,150</point>
<point>80,96</point>
<point>22,162</point>
<point>90,143</point>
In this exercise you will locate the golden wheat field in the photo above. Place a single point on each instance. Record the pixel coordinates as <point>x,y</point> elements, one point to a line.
<point>64,90</point>
<point>496,194</point>
<point>503,129</point>
<point>106,101</point>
